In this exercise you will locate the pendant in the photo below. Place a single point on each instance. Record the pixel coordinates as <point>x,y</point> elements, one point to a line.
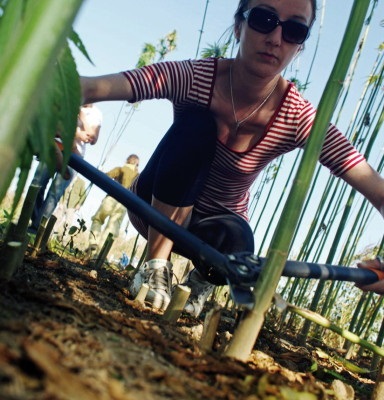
<point>237,127</point>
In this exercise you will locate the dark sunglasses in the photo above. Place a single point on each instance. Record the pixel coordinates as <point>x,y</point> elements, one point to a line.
<point>264,21</point>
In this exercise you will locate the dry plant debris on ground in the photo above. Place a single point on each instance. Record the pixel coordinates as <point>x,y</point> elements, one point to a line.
<point>67,332</point>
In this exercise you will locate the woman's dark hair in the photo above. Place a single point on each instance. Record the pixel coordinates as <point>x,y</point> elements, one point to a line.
<point>244,5</point>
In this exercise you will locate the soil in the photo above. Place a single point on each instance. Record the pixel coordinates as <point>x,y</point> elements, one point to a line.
<point>70,332</point>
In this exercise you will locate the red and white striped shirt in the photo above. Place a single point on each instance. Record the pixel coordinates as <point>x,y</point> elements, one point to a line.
<point>191,82</point>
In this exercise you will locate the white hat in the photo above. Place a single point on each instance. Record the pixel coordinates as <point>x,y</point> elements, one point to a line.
<point>93,114</point>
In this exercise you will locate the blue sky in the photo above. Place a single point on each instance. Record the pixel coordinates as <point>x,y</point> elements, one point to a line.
<point>115,31</point>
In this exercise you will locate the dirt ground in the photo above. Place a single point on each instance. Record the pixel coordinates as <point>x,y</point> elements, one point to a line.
<point>68,332</point>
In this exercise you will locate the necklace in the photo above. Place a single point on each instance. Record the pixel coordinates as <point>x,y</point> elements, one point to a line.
<point>239,122</point>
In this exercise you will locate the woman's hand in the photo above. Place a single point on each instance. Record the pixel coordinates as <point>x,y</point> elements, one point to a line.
<point>376,264</point>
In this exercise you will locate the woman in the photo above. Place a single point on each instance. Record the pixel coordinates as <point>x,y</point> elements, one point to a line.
<point>232,117</point>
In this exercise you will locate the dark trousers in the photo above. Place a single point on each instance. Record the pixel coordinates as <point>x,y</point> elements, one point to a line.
<point>177,170</point>
<point>176,174</point>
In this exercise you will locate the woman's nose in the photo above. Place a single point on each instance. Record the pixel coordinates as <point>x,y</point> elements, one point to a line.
<point>276,36</point>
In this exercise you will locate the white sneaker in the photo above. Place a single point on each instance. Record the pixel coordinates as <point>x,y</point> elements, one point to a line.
<point>200,291</point>
<point>157,273</point>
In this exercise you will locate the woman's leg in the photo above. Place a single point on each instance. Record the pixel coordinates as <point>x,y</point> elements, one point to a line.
<point>176,172</point>
<point>172,180</point>
<point>159,246</point>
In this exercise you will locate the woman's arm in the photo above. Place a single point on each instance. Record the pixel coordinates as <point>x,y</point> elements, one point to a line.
<point>106,87</point>
<point>368,182</point>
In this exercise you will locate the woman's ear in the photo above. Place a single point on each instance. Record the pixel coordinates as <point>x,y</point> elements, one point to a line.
<point>298,51</point>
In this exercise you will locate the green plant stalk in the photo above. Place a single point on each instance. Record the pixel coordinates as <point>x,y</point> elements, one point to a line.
<point>359,328</point>
<point>211,323</point>
<point>10,262</point>
<point>316,47</point>
<point>366,318</point>
<point>134,249</point>
<point>355,233</point>
<point>279,201</point>
<point>355,316</point>
<point>320,219</point>
<point>313,229</point>
<point>379,342</point>
<point>362,228</point>
<point>354,120</point>
<point>254,204</point>
<point>177,304</point>
<point>267,199</point>
<point>370,324</point>
<point>320,320</point>
<point>39,236</point>
<point>25,215</point>
<point>104,251</point>
<point>248,330</point>
<point>47,233</point>
<point>24,74</point>
<point>320,287</point>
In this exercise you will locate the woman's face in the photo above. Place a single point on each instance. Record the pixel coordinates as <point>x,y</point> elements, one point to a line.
<point>268,54</point>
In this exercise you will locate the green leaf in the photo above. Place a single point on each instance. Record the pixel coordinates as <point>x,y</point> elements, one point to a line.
<point>42,130</point>
<point>67,99</point>
<point>58,111</point>
<point>147,55</point>
<point>25,166</point>
<point>72,230</point>
<point>75,39</point>
<point>11,24</point>
<point>314,367</point>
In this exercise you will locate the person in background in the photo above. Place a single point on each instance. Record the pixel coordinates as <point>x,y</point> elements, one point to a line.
<point>232,117</point>
<point>87,132</point>
<point>69,204</point>
<point>111,210</point>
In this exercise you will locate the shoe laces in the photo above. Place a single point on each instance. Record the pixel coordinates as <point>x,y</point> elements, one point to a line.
<point>161,278</point>
<point>200,288</point>
<point>202,294</point>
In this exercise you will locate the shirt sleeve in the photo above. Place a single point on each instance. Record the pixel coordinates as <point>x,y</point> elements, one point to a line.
<point>164,80</point>
<point>337,154</point>
<point>184,83</point>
